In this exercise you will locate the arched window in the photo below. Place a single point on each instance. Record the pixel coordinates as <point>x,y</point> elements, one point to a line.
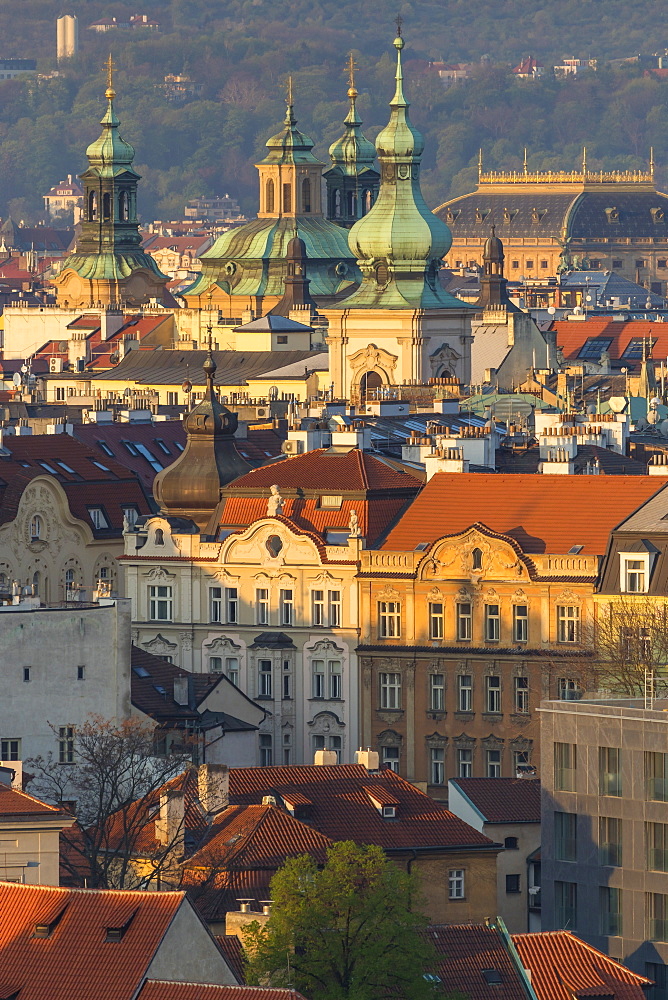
<point>3,581</point>
<point>370,385</point>
<point>476,559</point>
<point>337,204</point>
<point>92,206</point>
<point>69,581</point>
<point>36,527</point>
<point>35,584</point>
<point>123,206</point>
<point>306,195</point>
<point>366,201</point>
<point>159,536</point>
<point>269,196</point>
<point>106,206</point>
<point>287,198</point>
<point>350,208</point>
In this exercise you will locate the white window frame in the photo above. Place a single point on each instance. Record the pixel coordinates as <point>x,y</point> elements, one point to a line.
<point>436,692</point>
<point>464,621</point>
<point>334,608</point>
<point>318,678</point>
<point>456,883</point>
<point>66,751</point>
<point>568,623</point>
<point>156,601</point>
<point>265,675</point>
<point>262,606</point>
<point>436,619</point>
<point>437,765</point>
<point>521,686</point>
<point>492,622</point>
<point>465,693</point>
<point>464,762</point>
<point>493,694</point>
<point>287,607</point>
<point>568,689</point>
<point>10,748</point>
<point>389,619</point>
<point>389,685</point>
<point>98,518</point>
<point>232,605</point>
<point>335,679</point>
<point>390,757</point>
<point>636,580</point>
<point>215,604</point>
<point>215,664</point>
<point>317,607</point>
<point>232,669</point>
<point>520,623</point>
<point>266,749</point>
<point>493,763</point>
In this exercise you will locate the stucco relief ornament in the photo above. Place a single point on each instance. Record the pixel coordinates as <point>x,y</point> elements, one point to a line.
<point>186,641</point>
<point>275,502</point>
<point>354,525</point>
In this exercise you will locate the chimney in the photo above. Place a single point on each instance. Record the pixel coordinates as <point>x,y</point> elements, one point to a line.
<point>369,758</point>
<point>170,821</point>
<point>324,757</point>
<point>181,690</point>
<point>213,787</point>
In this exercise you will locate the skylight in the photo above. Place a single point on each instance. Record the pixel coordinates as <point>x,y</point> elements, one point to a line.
<point>141,671</point>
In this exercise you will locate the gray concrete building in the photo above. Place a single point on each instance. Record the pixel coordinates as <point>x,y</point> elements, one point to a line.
<point>605,827</point>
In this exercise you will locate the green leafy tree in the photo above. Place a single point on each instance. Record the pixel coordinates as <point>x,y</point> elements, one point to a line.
<point>347,930</point>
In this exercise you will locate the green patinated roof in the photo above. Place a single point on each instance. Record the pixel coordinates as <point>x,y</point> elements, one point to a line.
<point>110,155</point>
<point>400,243</point>
<point>250,260</point>
<point>352,154</point>
<point>110,266</point>
<point>290,145</point>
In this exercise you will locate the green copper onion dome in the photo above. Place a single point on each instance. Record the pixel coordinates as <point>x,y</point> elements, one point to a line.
<point>399,244</point>
<point>290,145</point>
<point>110,153</point>
<point>352,150</point>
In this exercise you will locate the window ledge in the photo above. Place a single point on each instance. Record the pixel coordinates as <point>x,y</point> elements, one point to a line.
<point>464,716</point>
<point>435,714</point>
<point>492,715</point>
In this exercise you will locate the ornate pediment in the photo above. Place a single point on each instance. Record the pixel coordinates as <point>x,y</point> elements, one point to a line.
<point>444,357</point>
<point>373,357</point>
<point>325,646</point>
<point>390,738</point>
<point>436,740</point>
<point>326,722</point>
<point>159,646</point>
<point>222,644</point>
<point>160,575</point>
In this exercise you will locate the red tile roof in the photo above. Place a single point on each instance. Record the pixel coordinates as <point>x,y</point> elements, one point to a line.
<point>562,966</point>
<point>572,336</point>
<point>544,514</point>
<point>325,469</point>
<point>160,990</point>
<point>76,962</point>
<point>106,484</point>
<point>14,803</point>
<point>258,837</point>
<point>342,809</point>
<point>465,951</point>
<point>503,800</point>
<point>233,950</point>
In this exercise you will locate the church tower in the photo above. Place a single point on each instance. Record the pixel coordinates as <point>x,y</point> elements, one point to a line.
<point>400,325</point>
<point>352,180</point>
<point>108,265</point>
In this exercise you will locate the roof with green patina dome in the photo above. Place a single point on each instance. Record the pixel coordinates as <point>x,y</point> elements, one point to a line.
<point>111,266</point>
<point>243,261</point>
<point>399,244</point>
<point>290,145</point>
<point>352,154</point>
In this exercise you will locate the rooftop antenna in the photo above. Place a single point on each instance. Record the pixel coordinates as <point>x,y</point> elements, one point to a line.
<point>526,169</point>
<point>584,161</point>
<point>651,162</point>
<point>479,164</point>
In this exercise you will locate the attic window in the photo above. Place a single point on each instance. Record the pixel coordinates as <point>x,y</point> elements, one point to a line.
<point>98,518</point>
<point>117,933</point>
<point>131,447</point>
<point>46,928</point>
<point>332,502</point>
<point>162,446</point>
<point>178,445</point>
<point>575,550</point>
<point>492,977</point>
<point>103,446</point>
<point>141,671</point>
<point>389,812</point>
<point>422,546</point>
<point>100,466</point>
<point>48,468</point>
<point>334,537</point>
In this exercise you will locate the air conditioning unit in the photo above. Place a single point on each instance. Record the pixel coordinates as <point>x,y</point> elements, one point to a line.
<point>55,365</point>
<point>291,447</point>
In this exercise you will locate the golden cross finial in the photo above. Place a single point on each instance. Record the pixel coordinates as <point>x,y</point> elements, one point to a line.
<point>289,97</point>
<point>399,21</point>
<point>351,71</point>
<point>110,77</point>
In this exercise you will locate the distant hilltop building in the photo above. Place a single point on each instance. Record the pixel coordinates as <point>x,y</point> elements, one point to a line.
<point>135,21</point>
<point>67,36</point>
<point>571,67</point>
<point>66,196</point>
<point>213,209</point>
<point>528,69</point>
<point>179,87</point>
<point>556,221</point>
<point>12,68</point>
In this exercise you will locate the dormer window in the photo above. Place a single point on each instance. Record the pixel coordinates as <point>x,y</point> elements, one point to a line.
<point>331,501</point>
<point>634,572</point>
<point>389,812</point>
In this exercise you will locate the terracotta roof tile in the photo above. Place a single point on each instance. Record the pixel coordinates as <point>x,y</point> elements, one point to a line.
<point>14,803</point>
<point>76,962</point>
<point>544,514</point>
<point>465,952</point>
<point>323,469</point>
<point>503,800</point>
<point>159,990</point>
<point>562,965</point>
<point>571,337</point>
<point>342,809</point>
<point>233,950</point>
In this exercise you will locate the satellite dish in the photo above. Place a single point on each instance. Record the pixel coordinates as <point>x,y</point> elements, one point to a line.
<point>551,310</point>
<point>591,408</point>
<point>655,402</point>
<point>617,404</point>
<point>24,368</point>
<point>16,379</point>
